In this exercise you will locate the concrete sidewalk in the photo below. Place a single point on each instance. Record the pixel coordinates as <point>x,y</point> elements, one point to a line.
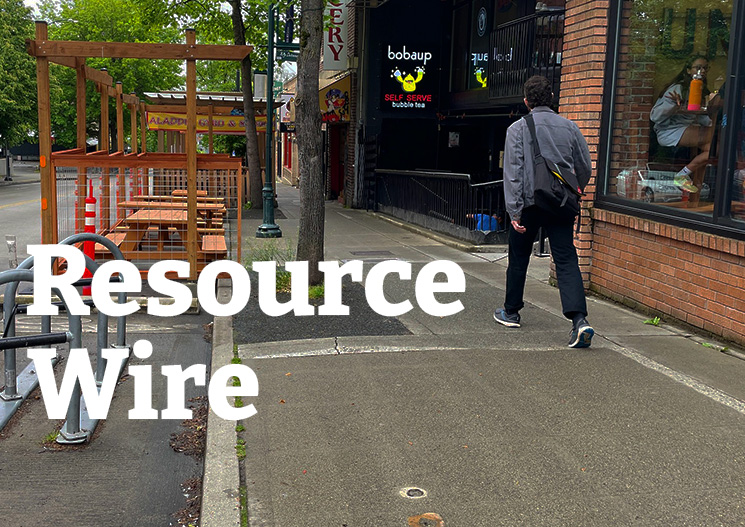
<point>496,426</point>
<point>21,173</point>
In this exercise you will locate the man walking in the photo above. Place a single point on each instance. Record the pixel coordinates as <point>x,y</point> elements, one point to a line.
<point>561,141</point>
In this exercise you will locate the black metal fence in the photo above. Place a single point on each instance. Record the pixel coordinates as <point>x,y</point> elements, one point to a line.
<point>444,202</point>
<point>525,47</point>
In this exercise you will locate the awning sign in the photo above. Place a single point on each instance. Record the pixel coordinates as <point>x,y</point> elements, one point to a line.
<point>221,124</point>
<point>334,101</point>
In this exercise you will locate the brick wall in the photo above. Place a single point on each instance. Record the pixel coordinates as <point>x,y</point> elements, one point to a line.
<point>582,71</point>
<point>671,272</point>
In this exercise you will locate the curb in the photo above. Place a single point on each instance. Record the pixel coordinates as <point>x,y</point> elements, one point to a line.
<point>14,182</point>
<point>221,481</point>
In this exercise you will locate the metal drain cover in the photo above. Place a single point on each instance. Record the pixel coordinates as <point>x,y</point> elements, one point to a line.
<point>371,253</point>
<point>413,493</point>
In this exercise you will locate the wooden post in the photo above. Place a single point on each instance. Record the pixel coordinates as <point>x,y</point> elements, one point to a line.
<point>143,128</point>
<point>238,209</point>
<point>211,177</point>
<point>161,142</point>
<point>191,156</point>
<point>104,144</point>
<point>210,113</point>
<point>82,187</point>
<point>133,126</point>
<point>48,195</point>
<point>143,145</point>
<point>121,183</point>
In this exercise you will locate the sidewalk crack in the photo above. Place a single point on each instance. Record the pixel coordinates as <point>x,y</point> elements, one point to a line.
<point>336,345</point>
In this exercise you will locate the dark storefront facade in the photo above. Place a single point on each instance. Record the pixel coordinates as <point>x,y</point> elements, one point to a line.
<point>440,82</point>
<point>440,94</point>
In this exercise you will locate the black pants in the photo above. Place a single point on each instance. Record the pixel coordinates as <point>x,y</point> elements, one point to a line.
<point>560,236</point>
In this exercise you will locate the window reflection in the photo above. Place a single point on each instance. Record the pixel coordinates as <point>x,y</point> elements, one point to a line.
<point>667,123</point>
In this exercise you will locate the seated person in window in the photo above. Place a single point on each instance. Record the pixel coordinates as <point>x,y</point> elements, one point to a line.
<point>675,127</point>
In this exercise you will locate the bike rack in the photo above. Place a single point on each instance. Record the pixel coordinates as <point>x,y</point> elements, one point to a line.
<point>79,427</point>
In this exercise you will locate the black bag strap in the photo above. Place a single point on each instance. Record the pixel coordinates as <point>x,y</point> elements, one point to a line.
<point>531,126</point>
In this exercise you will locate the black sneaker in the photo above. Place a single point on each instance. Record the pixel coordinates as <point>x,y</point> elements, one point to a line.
<point>506,319</point>
<point>581,336</point>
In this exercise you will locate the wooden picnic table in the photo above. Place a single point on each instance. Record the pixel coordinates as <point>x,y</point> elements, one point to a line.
<point>140,203</point>
<point>211,214</point>
<point>158,234</point>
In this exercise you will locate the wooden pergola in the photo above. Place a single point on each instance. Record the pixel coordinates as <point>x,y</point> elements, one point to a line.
<point>73,54</point>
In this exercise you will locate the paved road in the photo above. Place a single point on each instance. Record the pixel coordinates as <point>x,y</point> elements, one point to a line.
<point>20,215</point>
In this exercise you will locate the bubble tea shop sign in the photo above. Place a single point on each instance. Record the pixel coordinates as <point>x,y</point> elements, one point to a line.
<point>409,78</point>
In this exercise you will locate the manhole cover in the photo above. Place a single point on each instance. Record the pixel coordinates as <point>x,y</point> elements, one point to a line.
<point>413,493</point>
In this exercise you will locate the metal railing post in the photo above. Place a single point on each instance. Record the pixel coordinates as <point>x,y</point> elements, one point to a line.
<point>102,342</point>
<point>71,431</point>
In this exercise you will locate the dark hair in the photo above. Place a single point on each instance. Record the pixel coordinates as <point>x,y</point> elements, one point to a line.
<point>684,78</point>
<point>537,91</point>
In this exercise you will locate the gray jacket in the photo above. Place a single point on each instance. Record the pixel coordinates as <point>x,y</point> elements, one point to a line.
<point>560,141</point>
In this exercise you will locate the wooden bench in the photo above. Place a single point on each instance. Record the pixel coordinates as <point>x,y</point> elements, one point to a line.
<point>184,192</point>
<point>207,231</point>
<point>116,237</point>
<point>214,244</point>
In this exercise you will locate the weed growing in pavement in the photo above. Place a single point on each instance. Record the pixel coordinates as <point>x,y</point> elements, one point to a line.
<point>50,437</point>
<point>268,250</point>
<point>316,291</point>
<point>715,347</point>
<point>653,321</point>
<point>244,506</point>
<point>240,449</point>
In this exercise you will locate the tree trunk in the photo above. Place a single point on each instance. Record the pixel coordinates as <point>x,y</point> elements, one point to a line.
<point>252,140</point>
<point>308,133</point>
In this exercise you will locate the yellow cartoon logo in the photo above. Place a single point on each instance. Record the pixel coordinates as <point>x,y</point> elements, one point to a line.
<point>480,78</point>
<point>407,80</point>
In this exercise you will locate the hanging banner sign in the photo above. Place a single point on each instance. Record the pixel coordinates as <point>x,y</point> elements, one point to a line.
<point>335,36</point>
<point>221,124</point>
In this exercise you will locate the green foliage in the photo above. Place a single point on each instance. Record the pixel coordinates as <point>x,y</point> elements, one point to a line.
<point>112,21</point>
<point>240,449</point>
<point>50,437</point>
<point>715,347</point>
<point>267,250</point>
<point>18,87</point>
<point>244,506</point>
<point>653,321</point>
<point>316,291</point>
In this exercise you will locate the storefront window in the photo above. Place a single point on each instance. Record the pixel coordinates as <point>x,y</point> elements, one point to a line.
<point>668,111</point>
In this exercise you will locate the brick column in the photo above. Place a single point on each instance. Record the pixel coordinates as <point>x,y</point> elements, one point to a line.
<point>582,72</point>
